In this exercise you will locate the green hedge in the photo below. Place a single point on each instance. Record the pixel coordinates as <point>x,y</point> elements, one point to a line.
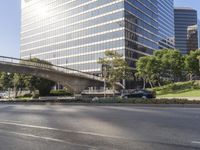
<point>140,101</point>
<point>114,101</point>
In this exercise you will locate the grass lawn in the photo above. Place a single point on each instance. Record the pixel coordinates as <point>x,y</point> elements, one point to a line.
<point>186,93</point>
<point>180,89</point>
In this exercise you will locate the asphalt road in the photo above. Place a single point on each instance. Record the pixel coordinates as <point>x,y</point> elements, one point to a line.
<point>64,127</point>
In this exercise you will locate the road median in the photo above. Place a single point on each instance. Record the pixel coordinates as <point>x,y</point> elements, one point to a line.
<point>166,102</point>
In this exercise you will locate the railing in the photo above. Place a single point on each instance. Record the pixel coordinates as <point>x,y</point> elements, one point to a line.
<point>23,62</point>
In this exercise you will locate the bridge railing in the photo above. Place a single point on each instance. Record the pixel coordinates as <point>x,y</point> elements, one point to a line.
<point>23,62</point>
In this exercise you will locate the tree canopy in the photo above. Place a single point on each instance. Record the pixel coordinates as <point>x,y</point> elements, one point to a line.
<point>148,68</point>
<point>167,65</point>
<point>116,67</point>
<point>192,63</point>
<point>19,81</point>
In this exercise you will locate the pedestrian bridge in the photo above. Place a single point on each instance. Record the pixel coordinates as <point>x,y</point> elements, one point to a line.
<point>70,78</point>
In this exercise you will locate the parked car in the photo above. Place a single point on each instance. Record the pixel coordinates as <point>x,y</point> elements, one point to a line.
<point>140,94</point>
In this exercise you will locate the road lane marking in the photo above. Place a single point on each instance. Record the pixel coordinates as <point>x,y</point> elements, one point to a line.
<point>61,130</point>
<point>46,138</point>
<point>12,121</point>
<point>195,142</point>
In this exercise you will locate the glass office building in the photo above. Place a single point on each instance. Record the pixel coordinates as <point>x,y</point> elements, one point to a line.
<point>199,34</point>
<point>186,29</point>
<point>192,37</point>
<point>166,24</point>
<point>76,33</point>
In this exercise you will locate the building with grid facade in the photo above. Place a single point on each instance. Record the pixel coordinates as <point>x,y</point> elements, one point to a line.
<point>186,29</point>
<point>76,33</point>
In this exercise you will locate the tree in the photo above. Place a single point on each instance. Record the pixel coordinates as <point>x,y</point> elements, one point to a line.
<point>18,82</point>
<point>6,80</point>
<point>192,63</point>
<point>116,67</point>
<point>44,86</point>
<point>172,63</point>
<point>141,70</point>
<point>148,68</point>
<point>163,65</point>
<point>35,83</point>
<point>31,83</point>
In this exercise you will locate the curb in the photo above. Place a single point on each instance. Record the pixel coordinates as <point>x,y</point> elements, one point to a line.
<point>105,104</point>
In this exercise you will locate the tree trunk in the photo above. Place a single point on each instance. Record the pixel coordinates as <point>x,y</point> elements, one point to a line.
<point>113,90</point>
<point>151,84</point>
<point>34,94</point>
<point>16,92</point>
<point>144,83</point>
<point>20,92</point>
<point>190,76</point>
<point>159,84</point>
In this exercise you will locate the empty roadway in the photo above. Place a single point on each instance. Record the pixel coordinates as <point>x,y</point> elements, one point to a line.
<point>61,127</point>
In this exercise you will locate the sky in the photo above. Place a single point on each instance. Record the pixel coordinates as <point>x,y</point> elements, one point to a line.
<point>9,27</point>
<point>10,24</point>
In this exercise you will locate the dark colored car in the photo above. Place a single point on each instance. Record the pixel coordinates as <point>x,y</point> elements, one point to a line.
<point>140,94</point>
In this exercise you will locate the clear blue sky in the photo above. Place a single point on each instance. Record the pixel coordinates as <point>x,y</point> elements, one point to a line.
<point>9,27</point>
<point>10,24</point>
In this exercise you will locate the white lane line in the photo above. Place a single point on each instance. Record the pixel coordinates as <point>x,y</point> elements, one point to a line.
<point>65,130</point>
<point>12,121</point>
<point>46,138</point>
<point>195,142</point>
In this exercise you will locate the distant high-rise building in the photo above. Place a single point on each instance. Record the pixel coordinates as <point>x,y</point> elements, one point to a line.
<point>76,33</point>
<point>192,37</point>
<point>199,33</point>
<point>186,29</point>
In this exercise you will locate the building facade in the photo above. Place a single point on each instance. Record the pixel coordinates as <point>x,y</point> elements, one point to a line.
<point>199,33</point>
<point>192,37</point>
<point>76,33</point>
<point>186,29</point>
<point>166,24</point>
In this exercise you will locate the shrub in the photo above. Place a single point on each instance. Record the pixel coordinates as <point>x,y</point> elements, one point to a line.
<point>136,101</point>
<point>24,96</point>
<point>27,95</point>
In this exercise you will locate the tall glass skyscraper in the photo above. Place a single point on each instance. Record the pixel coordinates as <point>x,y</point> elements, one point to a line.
<point>199,34</point>
<point>186,29</point>
<point>166,24</point>
<point>76,33</point>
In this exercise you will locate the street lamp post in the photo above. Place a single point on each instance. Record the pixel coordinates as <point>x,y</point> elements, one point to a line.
<point>104,74</point>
